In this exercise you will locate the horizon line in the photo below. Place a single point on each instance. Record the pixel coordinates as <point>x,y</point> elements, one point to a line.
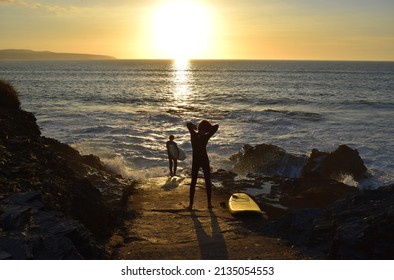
<point>260,59</point>
<point>189,59</point>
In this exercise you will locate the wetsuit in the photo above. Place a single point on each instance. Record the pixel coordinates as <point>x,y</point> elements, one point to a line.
<point>171,158</point>
<point>200,159</point>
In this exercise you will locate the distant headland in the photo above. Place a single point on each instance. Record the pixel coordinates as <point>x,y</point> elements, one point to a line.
<point>19,54</point>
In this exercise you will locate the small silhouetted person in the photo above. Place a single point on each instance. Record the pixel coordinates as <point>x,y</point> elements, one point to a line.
<point>199,140</point>
<point>173,161</point>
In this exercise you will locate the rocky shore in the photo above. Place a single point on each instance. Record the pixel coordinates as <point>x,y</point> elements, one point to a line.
<point>315,212</point>
<point>54,202</point>
<point>58,204</point>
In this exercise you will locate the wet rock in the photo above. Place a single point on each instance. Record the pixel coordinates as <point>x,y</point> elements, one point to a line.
<point>93,161</point>
<point>269,160</point>
<point>343,161</point>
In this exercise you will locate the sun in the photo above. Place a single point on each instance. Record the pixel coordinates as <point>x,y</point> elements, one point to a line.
<point>181,30</point>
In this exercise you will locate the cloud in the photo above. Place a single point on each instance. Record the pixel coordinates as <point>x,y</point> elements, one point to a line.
<point>57,9</point>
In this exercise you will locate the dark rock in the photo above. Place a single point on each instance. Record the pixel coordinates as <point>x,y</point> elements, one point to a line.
<point>324,218</point>
<point>8,96</point>
<point>343,161</point>
<point>93,161</point>
<point>17,124</point>
<point>360,226</point>
<point>83,202</point>
<point>302,193</point>
<point>60,148</point>
<point>298,226</point>
<point>278,196</point>
<point>269,160</point>
<point>77,188</point>
<point>34,232</point>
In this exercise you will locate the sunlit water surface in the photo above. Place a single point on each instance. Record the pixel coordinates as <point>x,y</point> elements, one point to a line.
<point>124,110</point>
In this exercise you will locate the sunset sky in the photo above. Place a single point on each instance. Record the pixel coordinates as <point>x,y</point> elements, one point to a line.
<point>203,29</point>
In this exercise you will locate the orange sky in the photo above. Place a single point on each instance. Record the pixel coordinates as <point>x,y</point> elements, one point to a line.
<point>216,29</point>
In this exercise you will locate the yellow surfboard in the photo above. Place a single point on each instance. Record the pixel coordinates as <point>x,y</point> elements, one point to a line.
<point>242,203</point>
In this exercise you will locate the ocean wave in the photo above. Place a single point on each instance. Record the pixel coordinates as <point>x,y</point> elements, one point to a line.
<point>277,116</point>
<point>310,116</point>
<point>362,103</point>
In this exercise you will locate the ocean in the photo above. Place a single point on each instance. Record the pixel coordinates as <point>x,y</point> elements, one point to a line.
<point>125,110</point>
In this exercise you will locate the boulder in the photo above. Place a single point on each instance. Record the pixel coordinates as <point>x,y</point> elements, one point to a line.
<point>342,162</point>
<point>17,125</point>
<point>269,160</point>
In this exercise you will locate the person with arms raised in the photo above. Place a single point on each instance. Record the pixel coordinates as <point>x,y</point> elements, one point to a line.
<point>199,139</point>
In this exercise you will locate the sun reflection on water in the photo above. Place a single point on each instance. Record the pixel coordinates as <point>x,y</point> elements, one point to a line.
<point>182,80</point>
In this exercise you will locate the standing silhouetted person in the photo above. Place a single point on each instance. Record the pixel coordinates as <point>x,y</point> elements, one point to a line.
<point>173,151</point>
<point>199,139</point>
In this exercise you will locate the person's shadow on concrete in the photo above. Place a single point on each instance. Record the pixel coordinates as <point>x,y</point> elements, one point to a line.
<point>212,247</point>
<point>172,183</point>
